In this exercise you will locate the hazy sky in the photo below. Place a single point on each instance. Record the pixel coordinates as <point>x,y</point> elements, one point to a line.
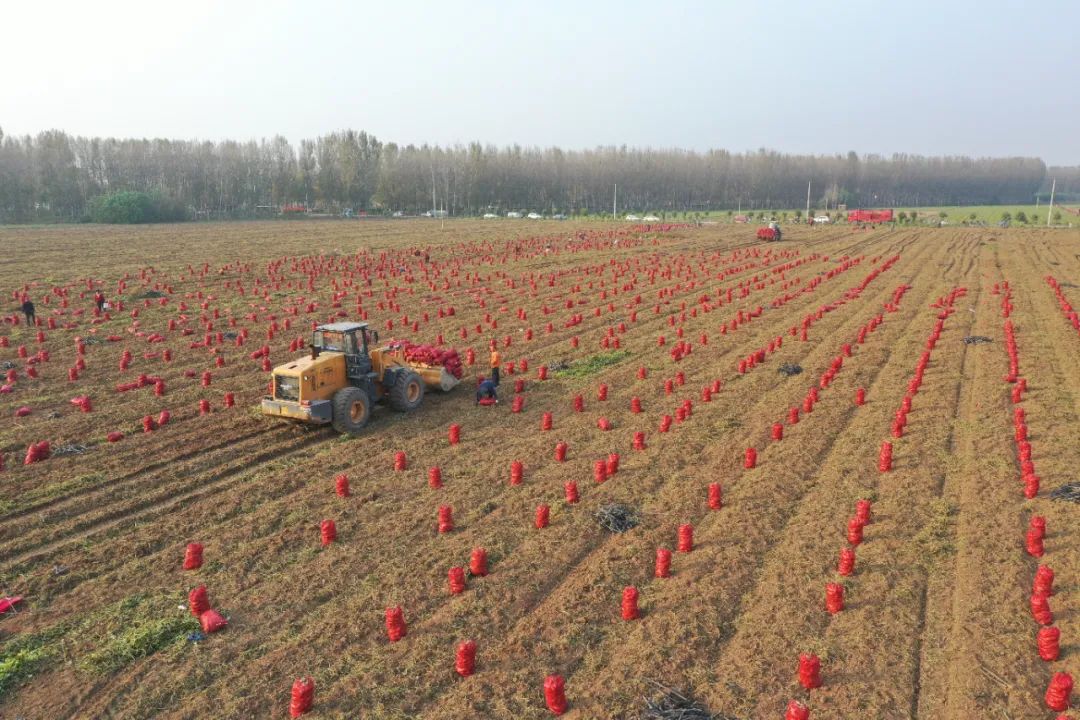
<point>939,77</point>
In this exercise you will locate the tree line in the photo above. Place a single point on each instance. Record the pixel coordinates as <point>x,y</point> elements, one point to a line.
<point>59,177</point>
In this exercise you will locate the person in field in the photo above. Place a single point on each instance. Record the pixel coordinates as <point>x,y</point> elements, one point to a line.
<point>495,359</point>
<point>486,391</point>
<point>99,298</point>
<point>28,310</point>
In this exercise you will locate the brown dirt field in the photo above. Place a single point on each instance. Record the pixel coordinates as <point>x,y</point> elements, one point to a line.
<point>936,624</point>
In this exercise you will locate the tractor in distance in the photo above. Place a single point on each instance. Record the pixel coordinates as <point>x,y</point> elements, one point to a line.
<point>771,232</point>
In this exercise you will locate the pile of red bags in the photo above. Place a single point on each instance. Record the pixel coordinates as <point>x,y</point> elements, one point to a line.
<point>432,355</point>
<point>141,382</point>
<point>199,605</point>
<point>36,452</point>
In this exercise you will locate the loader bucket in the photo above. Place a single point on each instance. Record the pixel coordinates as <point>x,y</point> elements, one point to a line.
<point>437,377</point>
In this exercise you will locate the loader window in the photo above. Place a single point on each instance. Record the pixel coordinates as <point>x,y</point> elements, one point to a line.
<point>334,341</point>
<point>286,388</point>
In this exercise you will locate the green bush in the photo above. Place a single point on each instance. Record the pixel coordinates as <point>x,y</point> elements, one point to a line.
<point>130,208</point>
<point>593,365</point>
<point>138,641</point>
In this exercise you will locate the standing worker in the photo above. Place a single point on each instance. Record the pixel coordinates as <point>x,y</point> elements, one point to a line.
<point>486,390</point>
<point>99,298</point>
<point>28,310</point>
<point>495,365</point>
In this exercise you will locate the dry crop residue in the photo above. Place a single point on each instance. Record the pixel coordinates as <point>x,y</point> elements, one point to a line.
<point>936,622</point>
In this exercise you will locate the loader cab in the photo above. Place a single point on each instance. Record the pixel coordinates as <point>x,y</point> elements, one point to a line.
<point>352,340</point>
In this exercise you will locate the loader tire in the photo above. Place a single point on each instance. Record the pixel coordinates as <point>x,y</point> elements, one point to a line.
<point>408,391</point>
<point>352,409</point>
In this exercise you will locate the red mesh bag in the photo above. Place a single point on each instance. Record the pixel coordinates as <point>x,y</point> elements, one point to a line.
<point>478,562</point>
<point>341,485</point>
<point>1040,609</point>
<point>1058,692</point>
<point>885,457</point>
<point>686,538</point>
<point>212,621</point>
<point>715,496</point>
<point>663,563</point>
<point>630,603</point>
<point>1034,543</point>
<point>1048,643</point>
<point>465,659</point>
<point>193,556</point>
<point>456,578</point>
<point>796,711</point>
<point>302,697</point>
<point>555,694</point>
<point>834,597</point>
<point>446,518</point>
<point>750,459</point>
<point>328,532</point>
<point>809,671</point>
<point>571,491</point>
<point>198,601</point>
<point>395,624</point>
<point>862,511</point>
<point>854,531</point>
<point>847,562</point>
<point>1044,581</point>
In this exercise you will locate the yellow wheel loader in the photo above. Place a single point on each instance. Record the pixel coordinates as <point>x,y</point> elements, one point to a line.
<point>342,378</point>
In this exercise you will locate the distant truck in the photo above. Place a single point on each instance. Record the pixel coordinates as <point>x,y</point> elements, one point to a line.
<point>870,216</point>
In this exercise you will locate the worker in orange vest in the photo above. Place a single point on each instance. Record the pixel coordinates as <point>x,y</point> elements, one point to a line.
<point>495,365</point>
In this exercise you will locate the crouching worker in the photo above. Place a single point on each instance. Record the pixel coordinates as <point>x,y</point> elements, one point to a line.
<point>485,393</point>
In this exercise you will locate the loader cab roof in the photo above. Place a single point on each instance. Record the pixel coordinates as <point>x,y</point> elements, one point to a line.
<point>341,327</point>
